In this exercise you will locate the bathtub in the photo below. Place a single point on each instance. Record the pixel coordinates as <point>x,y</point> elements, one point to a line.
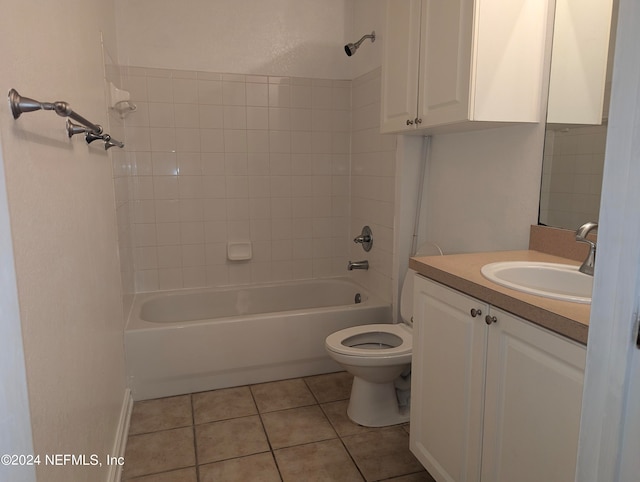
<point>195,340</point>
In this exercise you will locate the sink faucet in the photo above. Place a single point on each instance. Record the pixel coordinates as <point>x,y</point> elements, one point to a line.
<point>358,265</point>
<point>581,235</point>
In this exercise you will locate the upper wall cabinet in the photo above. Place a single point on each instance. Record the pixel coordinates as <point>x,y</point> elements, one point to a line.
<point>452,65</point>
<point>579,61</point>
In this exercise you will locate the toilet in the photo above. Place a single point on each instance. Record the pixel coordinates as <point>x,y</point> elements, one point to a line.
<point>377,355</point>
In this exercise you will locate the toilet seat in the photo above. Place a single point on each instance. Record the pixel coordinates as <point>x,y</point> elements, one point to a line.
<point>369,334</point>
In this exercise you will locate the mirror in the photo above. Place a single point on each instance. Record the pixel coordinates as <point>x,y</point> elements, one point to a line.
<point>576,131</point>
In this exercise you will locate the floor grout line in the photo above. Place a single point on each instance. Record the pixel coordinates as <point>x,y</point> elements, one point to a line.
<point>264,429</point>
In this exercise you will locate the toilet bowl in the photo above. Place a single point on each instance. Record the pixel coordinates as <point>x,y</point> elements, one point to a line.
<point>376,355</point>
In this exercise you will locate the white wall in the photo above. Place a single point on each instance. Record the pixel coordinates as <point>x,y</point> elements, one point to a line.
<point>368,15</point>
<point>15,423</point>
<point>483,188</point>
<point>61,207</point>
<point>297,38</point>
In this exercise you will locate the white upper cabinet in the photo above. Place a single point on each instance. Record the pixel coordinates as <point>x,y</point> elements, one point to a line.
<point>579,61</point>
<point>455,64</point>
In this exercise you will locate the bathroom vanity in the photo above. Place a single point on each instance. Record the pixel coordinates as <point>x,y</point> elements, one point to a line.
<point>497,374</point>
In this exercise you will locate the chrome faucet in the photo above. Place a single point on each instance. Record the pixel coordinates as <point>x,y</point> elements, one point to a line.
<point>581,236</point>
<point>358,265</point>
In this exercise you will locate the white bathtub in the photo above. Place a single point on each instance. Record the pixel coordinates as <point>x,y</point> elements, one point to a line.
<point>194,340</point>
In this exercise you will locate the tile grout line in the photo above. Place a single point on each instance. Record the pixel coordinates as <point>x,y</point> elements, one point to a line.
<point>336,431</point>
<point>195,440</point>
<point>264,429</point>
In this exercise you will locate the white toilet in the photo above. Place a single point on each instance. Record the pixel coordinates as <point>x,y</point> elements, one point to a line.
<point>376,355</point>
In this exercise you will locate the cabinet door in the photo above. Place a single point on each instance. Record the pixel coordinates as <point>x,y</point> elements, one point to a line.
<point>579,61</point>
<point>449,348</point>
<point>401,44</point>
<point>445,61</point>
<point>532,403</point>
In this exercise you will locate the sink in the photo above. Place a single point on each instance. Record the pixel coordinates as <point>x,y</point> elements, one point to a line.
<point>550,280</point>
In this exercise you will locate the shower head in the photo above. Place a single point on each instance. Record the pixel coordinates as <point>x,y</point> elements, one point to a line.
<point>350,49</point>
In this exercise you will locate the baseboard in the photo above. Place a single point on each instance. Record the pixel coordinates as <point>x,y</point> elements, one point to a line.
<point>120,443</point>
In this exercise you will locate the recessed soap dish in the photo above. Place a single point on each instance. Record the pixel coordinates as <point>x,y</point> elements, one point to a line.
<point>239,250</point>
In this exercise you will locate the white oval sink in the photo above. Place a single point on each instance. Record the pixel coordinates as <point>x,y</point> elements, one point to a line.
<point>551,280</point>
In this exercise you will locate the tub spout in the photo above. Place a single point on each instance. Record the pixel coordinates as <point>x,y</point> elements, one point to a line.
<point>358,265</point>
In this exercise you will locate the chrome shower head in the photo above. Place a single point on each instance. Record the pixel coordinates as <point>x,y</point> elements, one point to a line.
<point>350,49</point>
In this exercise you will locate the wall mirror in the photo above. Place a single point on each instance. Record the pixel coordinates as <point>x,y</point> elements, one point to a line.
<point>576,129</point>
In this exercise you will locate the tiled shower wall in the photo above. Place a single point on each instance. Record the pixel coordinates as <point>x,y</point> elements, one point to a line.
<point>213,158</point>
<point>373,164</point>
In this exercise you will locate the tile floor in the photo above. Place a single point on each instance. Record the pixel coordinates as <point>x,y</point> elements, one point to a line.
<point>292,430</point>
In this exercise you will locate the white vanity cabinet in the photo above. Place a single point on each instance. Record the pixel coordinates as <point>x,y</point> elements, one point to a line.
<point>452,65</point>
<point>494,399</point>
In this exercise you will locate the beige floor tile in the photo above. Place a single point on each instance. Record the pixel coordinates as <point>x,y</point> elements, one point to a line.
<point>336,412</point>
<point>182,475</point>
<point>254,468</point>
<point>159,452</point>
<point>382,454</point>
<point>161,414</point>
<point>230,438</point>
<point>297,426</point>
<point>330,387</point>
<point>325,461</point>
<point>282,395</point>
<point>223,404</point>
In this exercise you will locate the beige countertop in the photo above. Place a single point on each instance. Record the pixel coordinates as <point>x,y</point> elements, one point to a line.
<point>462,272</point>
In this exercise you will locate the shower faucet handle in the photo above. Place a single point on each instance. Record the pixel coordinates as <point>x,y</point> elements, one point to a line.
<point>365,238</point>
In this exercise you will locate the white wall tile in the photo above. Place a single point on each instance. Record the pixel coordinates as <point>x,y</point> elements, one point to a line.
<point>159,90</point>
<point>185,91</point>
<point>257,94</point>
<point>233,93</point>
<point>161,114</point>
<point>234,157</point>
<point>168,233</point>
<point>257,117</point>
<point>235,117</point>
<point>186,115</point>
<point>187,140</point>
<point>210,92</point>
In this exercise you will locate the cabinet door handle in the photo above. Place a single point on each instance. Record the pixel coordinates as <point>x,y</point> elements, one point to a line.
<point>475,312</point>
<point>418,120</point>
<point>409,122</point>
<point>490,319</point>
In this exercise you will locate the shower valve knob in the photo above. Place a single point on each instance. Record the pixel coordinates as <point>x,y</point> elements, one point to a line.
<point>365,238</point>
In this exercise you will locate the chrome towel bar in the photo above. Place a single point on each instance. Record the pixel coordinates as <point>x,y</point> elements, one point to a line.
<point>20,105</point>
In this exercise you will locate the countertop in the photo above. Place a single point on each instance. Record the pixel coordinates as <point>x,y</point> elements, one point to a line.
<point>462,272</point>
